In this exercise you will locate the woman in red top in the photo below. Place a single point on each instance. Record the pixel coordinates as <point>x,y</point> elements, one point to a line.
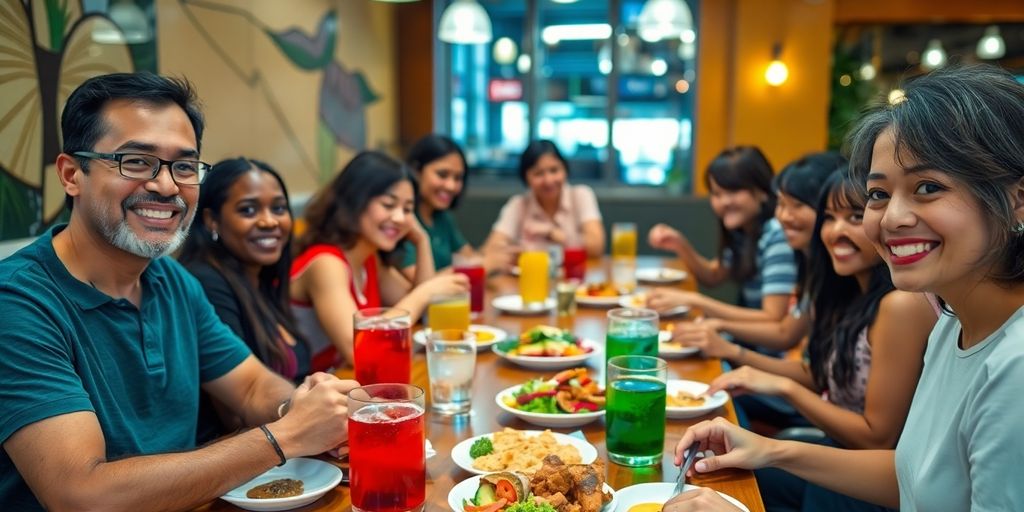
<point>355,228</point>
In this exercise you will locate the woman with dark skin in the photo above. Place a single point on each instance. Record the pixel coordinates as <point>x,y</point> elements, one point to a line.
<point>239,248</point>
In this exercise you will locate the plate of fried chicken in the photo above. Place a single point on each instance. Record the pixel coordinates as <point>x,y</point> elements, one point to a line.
<point>566,487</point>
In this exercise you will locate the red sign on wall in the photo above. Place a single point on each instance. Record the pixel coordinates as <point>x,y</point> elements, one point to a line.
<point>504,90</point>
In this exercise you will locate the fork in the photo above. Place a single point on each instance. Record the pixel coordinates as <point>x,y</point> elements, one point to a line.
<point>691,454</point>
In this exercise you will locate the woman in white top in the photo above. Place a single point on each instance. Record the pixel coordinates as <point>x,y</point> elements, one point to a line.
<point>552,211</point>
<point>944,170</point>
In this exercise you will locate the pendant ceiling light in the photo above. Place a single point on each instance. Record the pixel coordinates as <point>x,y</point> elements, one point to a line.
<point>464,22</point>
<point>934,56</point>
<point>664,19</point>
<point>991,45</point>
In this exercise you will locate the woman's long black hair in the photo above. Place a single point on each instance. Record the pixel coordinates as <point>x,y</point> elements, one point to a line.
<point>803,180</point>
<point>430,148</point>
<point>265,308</point>
<point>742,168</point>
<point>841,310</point>
<point>332,216</point>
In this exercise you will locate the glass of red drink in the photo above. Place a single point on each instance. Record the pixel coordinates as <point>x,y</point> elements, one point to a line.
<point>386,456</point>
<point>382,346</point>
<point>473,268</point>
<point>574,262</point>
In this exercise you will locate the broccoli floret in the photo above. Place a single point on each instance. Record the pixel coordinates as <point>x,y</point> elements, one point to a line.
<point>481,447</point>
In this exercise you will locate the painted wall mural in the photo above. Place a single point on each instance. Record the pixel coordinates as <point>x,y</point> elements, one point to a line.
<point>47,48</point>
<point>343,94</point>
<point>271,89</point>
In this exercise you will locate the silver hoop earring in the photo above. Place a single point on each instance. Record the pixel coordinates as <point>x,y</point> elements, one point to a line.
<point>1018,229</point>
<point>215,236</point>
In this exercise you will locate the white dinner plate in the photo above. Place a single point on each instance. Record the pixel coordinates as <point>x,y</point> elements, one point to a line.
<point>317,477</point>
<point>560,420</point>
<point>639,300</point>
<point>603,301</point>
<point>461,458</point>
<point>670,350</point>
<point>513,304</point>
<point>545,363</point>
<point>696,388</point>
<point>420,337</point>
<point>466,489</point>
<point>660,275</point>
<point>635,301</point>
<point>658,492</point>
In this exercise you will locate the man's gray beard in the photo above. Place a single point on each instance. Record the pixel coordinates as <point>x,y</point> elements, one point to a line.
<point>122,237</point>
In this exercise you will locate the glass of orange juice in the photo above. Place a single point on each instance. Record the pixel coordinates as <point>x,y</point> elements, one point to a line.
<point>624,256</point>
<point>533,276</point>
<point>623,240</point>
<point>449,312</point>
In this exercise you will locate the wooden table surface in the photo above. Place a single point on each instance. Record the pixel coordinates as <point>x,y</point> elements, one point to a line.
<point>494,374</point>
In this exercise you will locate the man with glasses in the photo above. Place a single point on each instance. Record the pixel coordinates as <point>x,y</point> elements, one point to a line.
<point>105,340</point>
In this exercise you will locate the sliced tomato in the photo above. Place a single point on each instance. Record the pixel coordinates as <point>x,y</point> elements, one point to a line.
<point>505,490</point>
<point>490,507</point>
<point>529,397</point>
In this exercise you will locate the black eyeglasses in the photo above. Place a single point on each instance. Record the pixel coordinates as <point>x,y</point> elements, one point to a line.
<point>140,166</point>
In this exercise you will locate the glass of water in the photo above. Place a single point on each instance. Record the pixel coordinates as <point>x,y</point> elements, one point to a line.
<point>451,360</point>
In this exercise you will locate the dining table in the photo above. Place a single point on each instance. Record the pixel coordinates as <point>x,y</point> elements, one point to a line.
<point>494,374</point>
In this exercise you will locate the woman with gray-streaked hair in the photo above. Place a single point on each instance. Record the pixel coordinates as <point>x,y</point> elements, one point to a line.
<point>944,170</point>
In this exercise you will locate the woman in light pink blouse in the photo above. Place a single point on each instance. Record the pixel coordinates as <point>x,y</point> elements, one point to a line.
<point>552,211</point>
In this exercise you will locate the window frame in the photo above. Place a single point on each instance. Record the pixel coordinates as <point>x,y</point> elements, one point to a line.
<point>494,182</point>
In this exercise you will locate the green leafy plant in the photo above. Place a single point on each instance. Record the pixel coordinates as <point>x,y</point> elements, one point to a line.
<point>848,101</point>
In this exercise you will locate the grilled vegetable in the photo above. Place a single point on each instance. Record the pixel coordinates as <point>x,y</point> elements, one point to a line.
<point>485,494</point>
<point>513,487</point>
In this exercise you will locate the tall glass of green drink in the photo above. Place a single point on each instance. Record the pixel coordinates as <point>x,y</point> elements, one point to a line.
<point>635,410</point>
<point>631,331</point>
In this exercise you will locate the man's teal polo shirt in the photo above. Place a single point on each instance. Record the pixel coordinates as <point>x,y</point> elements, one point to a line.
<point>67,347</point>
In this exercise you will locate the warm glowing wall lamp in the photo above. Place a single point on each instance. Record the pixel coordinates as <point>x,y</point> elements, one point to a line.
<point>776,73</point>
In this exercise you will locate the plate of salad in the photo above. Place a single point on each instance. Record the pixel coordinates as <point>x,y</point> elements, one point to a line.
<point>569,399</point>
<point>544,347</point>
